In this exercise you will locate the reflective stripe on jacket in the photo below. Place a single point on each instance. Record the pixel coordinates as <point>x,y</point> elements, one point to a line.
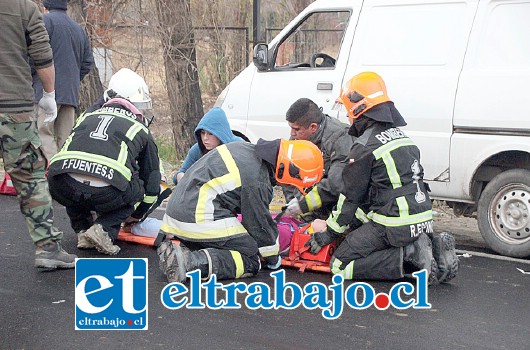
<point>384,175</point>
<point>227,181</point>
<point>110,144</point>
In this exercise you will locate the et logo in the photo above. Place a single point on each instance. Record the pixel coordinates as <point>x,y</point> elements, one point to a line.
<point>111,294</point>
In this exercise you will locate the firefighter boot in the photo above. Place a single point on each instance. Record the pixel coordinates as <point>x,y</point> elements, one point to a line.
<point>51,256</point>
<point>176,261</point>
<point>101,240</point>
<point>166,255</point>
<point>83,242</point>
<point>419,255</point>
<point>443,250</point>
<point>161,252</point>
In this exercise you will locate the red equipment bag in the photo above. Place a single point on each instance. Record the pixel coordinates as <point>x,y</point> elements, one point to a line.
<point>301,258</point>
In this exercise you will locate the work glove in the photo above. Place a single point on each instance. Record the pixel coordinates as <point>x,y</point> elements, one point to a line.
<point>293,208</point>
<point>49,106</point>
<point>273,262</point>
<point>318,240</point>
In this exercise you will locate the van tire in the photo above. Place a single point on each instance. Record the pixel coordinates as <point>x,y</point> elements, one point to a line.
<point>503,213</point>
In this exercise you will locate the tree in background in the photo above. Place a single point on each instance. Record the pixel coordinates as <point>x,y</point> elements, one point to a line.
<point>204,46</point>
<point>222,44</point>
<point>182,78</point>
<point>275,14</point>
<point>91,87</point>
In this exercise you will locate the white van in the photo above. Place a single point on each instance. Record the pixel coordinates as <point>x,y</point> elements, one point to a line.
<point>458,71</point>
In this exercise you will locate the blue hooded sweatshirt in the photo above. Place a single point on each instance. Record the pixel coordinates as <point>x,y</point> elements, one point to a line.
<point>215,122</point>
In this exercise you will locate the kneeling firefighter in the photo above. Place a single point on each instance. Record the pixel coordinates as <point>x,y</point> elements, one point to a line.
<point>234,178</point>
<point>385,195</point>
<point>108,164</point>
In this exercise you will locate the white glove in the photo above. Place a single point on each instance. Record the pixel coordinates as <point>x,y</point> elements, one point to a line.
<point>293,208</point>
<point>49,106</point>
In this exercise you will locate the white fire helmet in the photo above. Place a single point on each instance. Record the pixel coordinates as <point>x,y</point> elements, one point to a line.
<point>129,85</point>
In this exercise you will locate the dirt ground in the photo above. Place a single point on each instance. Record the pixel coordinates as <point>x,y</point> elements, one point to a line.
<point>464,229</point>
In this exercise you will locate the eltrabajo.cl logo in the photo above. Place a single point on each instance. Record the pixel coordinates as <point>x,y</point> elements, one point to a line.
<point>111,294</point>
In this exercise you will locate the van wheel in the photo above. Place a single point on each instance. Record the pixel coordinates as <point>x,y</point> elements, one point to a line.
<point>504,213</point>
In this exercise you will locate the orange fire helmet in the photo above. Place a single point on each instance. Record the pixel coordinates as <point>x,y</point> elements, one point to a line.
<point>362,92</point>
<point>299,163</point>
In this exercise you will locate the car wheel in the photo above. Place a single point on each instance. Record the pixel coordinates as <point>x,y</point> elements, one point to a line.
<point>503,213</point>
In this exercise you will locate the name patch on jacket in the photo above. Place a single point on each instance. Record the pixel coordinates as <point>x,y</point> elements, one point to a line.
<point>422,227</point>
<point>389,135</point>
<point>91,168</point>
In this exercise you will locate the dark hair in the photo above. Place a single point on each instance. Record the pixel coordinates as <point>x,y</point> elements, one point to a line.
<point>304,112</point>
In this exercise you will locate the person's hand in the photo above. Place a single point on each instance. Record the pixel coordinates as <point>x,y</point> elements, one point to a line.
<point>293,208</point>
<point>127,225</point>
<point>273,262</point>
<point>176,177</point>
<point>49,106</point>
<point>131,221</point>
<point>318,240</point>
<point>319,225</point>
<point>126,228</point>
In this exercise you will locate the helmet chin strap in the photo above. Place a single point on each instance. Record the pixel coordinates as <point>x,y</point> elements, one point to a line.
<point>148,117</point>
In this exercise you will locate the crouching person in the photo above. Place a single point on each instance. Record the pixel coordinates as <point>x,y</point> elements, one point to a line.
<point>108,164</point>
<point>235,178</point>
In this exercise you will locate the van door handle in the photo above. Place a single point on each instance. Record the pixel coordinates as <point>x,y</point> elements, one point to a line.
<point>324,86</point>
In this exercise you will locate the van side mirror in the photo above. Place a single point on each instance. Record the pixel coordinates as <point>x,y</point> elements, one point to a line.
<point>260,57</point>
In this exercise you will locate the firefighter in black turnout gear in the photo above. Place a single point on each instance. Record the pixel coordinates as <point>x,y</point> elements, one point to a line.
<point>108,165</point>
<point>234,178</point>
<point>385,205</point>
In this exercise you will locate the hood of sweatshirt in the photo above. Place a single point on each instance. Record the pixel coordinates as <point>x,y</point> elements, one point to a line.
<point>216,123</point>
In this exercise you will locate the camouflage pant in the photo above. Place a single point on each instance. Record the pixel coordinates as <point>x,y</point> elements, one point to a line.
<point>26,164</point>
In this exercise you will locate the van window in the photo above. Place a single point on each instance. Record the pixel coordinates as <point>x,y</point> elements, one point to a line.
<point>505,41</point>
<point>411,35</point>
<point>315,42</point>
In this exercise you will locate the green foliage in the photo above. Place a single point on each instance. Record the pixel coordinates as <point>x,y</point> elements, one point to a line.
<point>166,150</point>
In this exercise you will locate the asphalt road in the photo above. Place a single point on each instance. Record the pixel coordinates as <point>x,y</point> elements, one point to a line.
<point>485,307</point>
